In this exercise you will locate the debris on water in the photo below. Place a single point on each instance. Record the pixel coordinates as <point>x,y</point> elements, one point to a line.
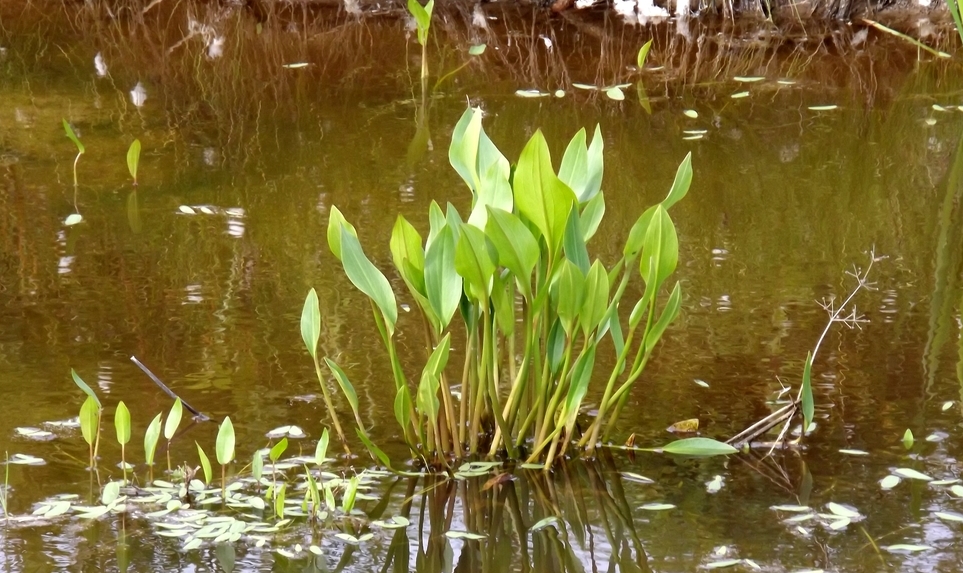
<point>715,484</point>
<point>138,95</point>
<point>100,65</point>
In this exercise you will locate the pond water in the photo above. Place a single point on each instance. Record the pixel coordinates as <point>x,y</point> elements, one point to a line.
<point>849,142</point>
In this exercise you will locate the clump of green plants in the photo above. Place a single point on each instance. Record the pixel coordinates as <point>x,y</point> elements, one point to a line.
<point>533,307</point>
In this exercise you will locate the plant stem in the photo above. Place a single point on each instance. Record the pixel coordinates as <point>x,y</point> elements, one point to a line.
<point>329,405</point>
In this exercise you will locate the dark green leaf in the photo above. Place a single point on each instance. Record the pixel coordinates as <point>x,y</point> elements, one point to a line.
<point>373,449</point>
<point>573,243</point>
<point>517,248</point>
<point>568,294</point>
<point>473,261</point>
<point>596,299</point>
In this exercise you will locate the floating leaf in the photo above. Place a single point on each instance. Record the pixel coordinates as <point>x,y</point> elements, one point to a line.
<point>739,95</point>
<point>187,210</point>
<point>947,405</point>
<point>559,93</point>
<point>698,447</point>
<point>477,49</point>
<point>822,107</point>
<point>111,493</point>
<point>615,94</point>
<point>957,490</point>
<point>702,383</point>
<point>657,506</point>
<point>791,508</point>
<point>949,516</point>
<point>748,79</point>
<point>691,113</point>
<point>854,452</point>
<point>73,219</point>
<point>842,510</point>
<point>530,93</point>
<point>636,477</point>
<point>839,524</point>
<point>723,564</point>
<point>906,548</point>
<point>889,482</point>
<point>910,473</point>
<point>296,65</point>
<point>585,86</point>
<point>463,535</point>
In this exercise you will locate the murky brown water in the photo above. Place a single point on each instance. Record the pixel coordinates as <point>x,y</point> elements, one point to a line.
<point>785,200</point>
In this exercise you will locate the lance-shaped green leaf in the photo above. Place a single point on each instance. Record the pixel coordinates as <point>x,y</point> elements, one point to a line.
<point>555,349</point>
<point>257,465</point>
<point>661,247</point>
<point>83,386</point>
<point>567,293</point>
<point>463,150</point>
<point>573,243</point>
<point>699,447</point>
<point>581,167</point>
<point>321,450</point>
<point>680,185</point>
<point>276,451</point>
<point>494,188</point>
<point>808,404</point>
<point>596,298</point>
<point>637,234</point>
<point>591,216</point>
<point>643,53</point>
<point>427,398</point>
<point>337,222</point>
<point>151,437</point>
<point>368,279</point>
<point>73,137</point>
<point>581,376</point>
<point>422,15</point>
<point>405,245</point>
<point>373,449</point>
<point>539,194</point>
<point>436,222</point>
<point>442,282</point>
<point>402,407</point>
<point>88,420</point>
<point>133,158</point>
<point>346,387</point>
<point>122,423</point>
<point>173,420</point>
<point>504,303</point>
<point>473,261</point>
<point>311,323</point>
<point>669,314</point>
<point>517,248</point>
<point>224,445</point>
<point>205,464</point>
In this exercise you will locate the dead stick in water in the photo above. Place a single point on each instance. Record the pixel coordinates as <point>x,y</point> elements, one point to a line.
<point>168,391</point>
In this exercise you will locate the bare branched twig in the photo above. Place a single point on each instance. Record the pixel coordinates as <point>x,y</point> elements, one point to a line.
<point>846,314</point>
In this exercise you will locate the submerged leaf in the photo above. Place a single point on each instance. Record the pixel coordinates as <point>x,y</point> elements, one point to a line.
<point>684,426</point>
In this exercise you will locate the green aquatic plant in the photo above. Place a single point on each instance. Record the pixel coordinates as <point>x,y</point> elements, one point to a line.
<point>422,16</point>
<point>525,239</point>
<point>170,427</point>
<point>133,159</point>
<point>224,448</point>
<point>122,426</point>
<point>6,485</point>
<point>151,438</point>
<point>90,416</point>
<point>69,131</point>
